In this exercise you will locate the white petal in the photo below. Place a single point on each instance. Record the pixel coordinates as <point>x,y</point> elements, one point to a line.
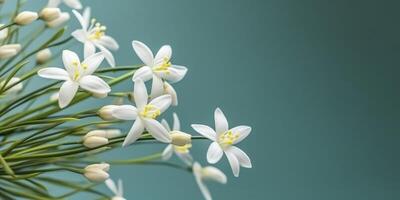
<point>89,49</point>
<point>111,185</point>
<point>203,188</point>
<point>140,93</point>
<point>92,63</point>
<point>120,188</point>
<point>145,73</point>
<point>234,162</point>
<point>54,73</point>
<point>157,130</point>
<point>186,158</point>
<point>214,153</point>
<point>215,174</point>
<point>125,112</point>
<point>135,132</point>
<point>69,58</point>
<point>168,151</point>
<point>86,15</point>
<point>243,132</point>
<point>166,125</point>
<point>79,35</point>
<point>143,52</point>
<point>75,4</point>
<point>176,73</point>
<point>109,43</point>
<point>94,84</point>
<point>241,156</point>
<point>67,92</point>
<point>108,55</point>
<point>221,124</point>
<point>164,53</point>
<point>157,87</point>
<point>53,3</point>
<point>168,89</point>
<point>177,123</point>
<point>81,20</point>
<point>205,131</point>
<point>162,102</point>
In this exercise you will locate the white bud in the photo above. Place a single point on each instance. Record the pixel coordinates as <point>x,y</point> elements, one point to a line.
<point>54,97</point>
<point>14,89</point>
<point>97,172</point>
<point>64,17</point>
<point>3,33</point>
<point>107,133</point>
<point>118,198</point>
<point>26,17</point>
<point>94,141</point>
<point>180,138</point>
<point>168,89</point>
<point>99,95</point>
<point>9,50</point>
<point>49,14</point>
<point>105,112</point>
<point>43,56</point>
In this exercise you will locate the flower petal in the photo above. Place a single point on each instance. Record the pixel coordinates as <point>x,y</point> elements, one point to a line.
<point>92,63</point>
<point>221,124</point>
<point>143,52</point>
<point>145,73</point>
<point>198,177</point>
<point>243,132</point>
<point>177,123</point>
<point>111,185</point>
<point>125,112</point>
<point>234,162</point>
<point>157,87</point>
<point>108,55</point>
<point>75,4</point>
<point>94,84</point>
<point>89,49</point>
<point>241,156</point>
<point>162,102</point>
<point>214,153</point>
<point>67,92</point>
<point>168,151</point>
<point>120,188</point>
<point>168,89</point>
<point>109,43</point>
<point>140,93</point>
<point>53,3</point>
<point>79,35</point>
<point>215,174</point>
<point>53,73</point>
<point>81,20</point>
<point>70,59</point>
<point>176,73</point>
<point>186,158</point>
<point>163,54</point>
<point>135,132</point>
<point>166,125</point>
<point>205,131</point>
<point>157,130</point>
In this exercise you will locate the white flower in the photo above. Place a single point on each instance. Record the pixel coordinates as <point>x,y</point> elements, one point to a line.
<point>75,4</point>
<point>97,172</point>
<point>207,173</point>
<point>26,17</point>
<point>223,140</point>
<point>144,114</point>
<point>158,68</point>
<point>182,151</point>
<point>93,36</point>
<point>76,75</point>
<point>117,190</point>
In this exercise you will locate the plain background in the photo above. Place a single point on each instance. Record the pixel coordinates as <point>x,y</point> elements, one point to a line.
<point>317,81</point>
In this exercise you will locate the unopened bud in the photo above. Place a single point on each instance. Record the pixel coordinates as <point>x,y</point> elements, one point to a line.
<point>49,14</point>
<point>3,33</point>
<point>99,95</point>
<point>97,172</point>
<point>180,138</point>
<point>43,56</point>
<point>107,133</point>
<point>105,112</point>
<point>9,50</point>
<point>26,17</point>
<point>16,88</point>
<point>168,89</point>
<point>64,17</point>
<point>94,141</point>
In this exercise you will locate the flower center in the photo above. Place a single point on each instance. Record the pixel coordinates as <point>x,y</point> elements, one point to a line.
<point>97,31</point>
<point>183,149</point>
<point>77,71</point>
<point>228,138</point>
<point>164,66</point>
<point>150,111</point>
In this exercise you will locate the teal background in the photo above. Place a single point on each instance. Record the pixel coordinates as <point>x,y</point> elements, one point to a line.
<point>317,80</point>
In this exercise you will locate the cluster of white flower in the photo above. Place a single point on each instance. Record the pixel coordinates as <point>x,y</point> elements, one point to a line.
<point>148,107</point>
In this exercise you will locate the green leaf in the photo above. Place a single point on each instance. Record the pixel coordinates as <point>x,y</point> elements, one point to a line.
<point>6,167</point>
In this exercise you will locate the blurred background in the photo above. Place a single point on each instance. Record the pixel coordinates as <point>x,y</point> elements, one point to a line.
<point>317,80</point>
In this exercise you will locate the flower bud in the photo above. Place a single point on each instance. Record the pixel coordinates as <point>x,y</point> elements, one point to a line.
<point>99,95</point>
<point>49,14</point>
<point>107,133</point>
<point>97,172</point>
<point>43,56</point>
<point>9,50</point>
<point>15,88</point>
<point>105,112</point>
<point>94,141</point>
<point>54,97</point>
<point>180,138</point>
<point>64,17</point>
<point>26,17</point>
<point>3,33</point>
<point>118,198</point>
<point>168,89</point>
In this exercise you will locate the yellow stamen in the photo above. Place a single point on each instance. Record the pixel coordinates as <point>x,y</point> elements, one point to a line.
<point>183,149</point>
<point>164,67</point>
<point>98,31</point>
<point>150,111</point>
<point>228,138</point>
